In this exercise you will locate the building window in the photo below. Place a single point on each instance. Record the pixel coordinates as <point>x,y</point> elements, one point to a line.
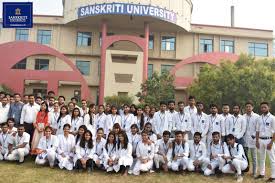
<point>108,34</point>
<point>166,68</point>
<point>83,67</point>
<point>206,45</point>
<point>258,49</point>
<point>150,70</point>
<point>21,34</point>
<point>227,46</point>
<point>44,36</point>
<point>168,43</point>
<point>41,64</point>
<point>20,65</point>
<point>151,42</point>
<point>84,38</point>
<point>40,92</point>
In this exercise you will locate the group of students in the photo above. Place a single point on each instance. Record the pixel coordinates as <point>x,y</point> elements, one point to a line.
<point>130,139</point>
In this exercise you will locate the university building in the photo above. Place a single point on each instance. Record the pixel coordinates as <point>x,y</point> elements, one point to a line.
<point>101,48</point>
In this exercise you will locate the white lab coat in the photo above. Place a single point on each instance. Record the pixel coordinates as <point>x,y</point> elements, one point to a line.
<point>67,147</point>
<point>162,122</point>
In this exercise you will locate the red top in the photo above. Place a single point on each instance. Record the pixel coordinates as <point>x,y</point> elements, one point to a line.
<point>41,117</point>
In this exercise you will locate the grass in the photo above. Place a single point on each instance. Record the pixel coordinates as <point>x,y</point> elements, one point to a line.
<point>29,172</point>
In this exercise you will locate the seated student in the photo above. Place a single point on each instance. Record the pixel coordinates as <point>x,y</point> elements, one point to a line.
<point>99,146</point>
<point>124,157</point>
<point>46,148</point>
<point>19,145</point>
<point>11,129</point>
<point>237,160</point>
<point>179,152</point>
<point>66,147</point>
<point>4,140</point>
<point>145,154</point>
<point>198,155</point>
<point>134,139</point>
<point>217,152</point>
<point>162,147</point>
<point>110,152</point>
<point>151,134</point>
<point>81,130</point>
<point>84,152</point>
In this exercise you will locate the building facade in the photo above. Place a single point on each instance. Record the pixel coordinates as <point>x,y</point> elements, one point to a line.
<point>118,44</point>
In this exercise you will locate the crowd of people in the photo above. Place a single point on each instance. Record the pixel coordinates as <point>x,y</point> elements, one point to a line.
<point>130,139</point>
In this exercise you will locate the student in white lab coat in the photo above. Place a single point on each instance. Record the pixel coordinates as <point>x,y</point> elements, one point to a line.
<point>151,134</point>
<point>89,120</point>
<point>112,119</point>
<point>99,147</point>
<point>109,152</point>
<point>217,153</point>
<point>179,152</point>
<point>127,119</point>
<point>66,148</point>
<point>81,130</point>
<point>198,154</point>
<point>64,118</point>
<point>145,155</point>
<point>172,112</point>
<point>116,130</point>
<point>76,121</point>
<point>47,147</point>
<point>85,152</point>
<point>12,130</point>
<point>124,157</point>
<point>226,115</point>
<point>100,119</point>
<point>146,114</point>
<point>161,153</point>
<point>54,115</point>
<point>18,146</point>
<point>139,119</point>
<point>191,108</point>
<point>162,121</point>
<point>4,140</point>
<point>237,161</point>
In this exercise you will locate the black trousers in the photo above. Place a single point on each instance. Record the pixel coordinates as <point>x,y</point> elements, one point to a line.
<point>29,129</point>
<point>89,164</point>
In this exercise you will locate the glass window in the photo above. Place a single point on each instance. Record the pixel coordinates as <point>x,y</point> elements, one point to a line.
<point>20,65</point>
<point>227,46</point>
<point>44,36</point>
<point>151,42</point>
<point>41,64</point>
<point>84,38</point>
<point>21,34</point>
<point>168,43</point>
<point>83,67</point>
<point>108,34</point>
<point>166,67</point>
<point>206,45</point>
<point>150,70</point>
<point>258,49</point>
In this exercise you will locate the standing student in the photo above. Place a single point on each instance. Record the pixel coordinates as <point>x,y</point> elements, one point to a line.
<point>237,161</point>
<point>112,119</point>
<point>217,152</point>
<point>89,119</point>
<point>4,140</point>
<point>161,153</point>
<point>134,138</point>
<point>127,118</point>
<point>179,152</point>
<point>16,109</point>
<point>66,147</point>
<point>146,114</point>
<point>226,116</point>
<point>191,108</point>
<point>162,121</point>
<point>84,152</point>
<point>237,125</point>
<point>182,121</point>
<point>200,122</point>
<point>265,137</point>
<point>107,109</point>
<point>18,146</point>
<point>42,120</point>
<point>71,107</point>
<point>133,109</point>
<point>64,118</point>
<point>250,134</point>
<point>4,110</point>
<point>198,154</point>
<point>109,152</point>
<point>124,157</point>
<point>139,119</point>
<point>25,99</point>
<point>47,147</point>
<point>61,101</point>
<point>99,147</point>
<point>145,155</point>
<point>216,123</point>
<point>100,119</point>
<point>54,115</point>
<point>76,121</point>
<point>50,104</point>
<point>172,112</point>
<point>28,115</point>
<point>84,109</point>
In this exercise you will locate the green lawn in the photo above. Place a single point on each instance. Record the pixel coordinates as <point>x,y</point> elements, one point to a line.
<point>29,172</point>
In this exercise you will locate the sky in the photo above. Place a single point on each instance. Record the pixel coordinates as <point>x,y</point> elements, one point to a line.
<point>248,13</point>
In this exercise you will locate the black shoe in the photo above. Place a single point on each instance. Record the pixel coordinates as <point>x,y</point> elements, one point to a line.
<point>157,170</point>
<point>259,177</point>
<point>270,180</point>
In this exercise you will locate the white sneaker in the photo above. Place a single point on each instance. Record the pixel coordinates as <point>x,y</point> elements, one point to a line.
<point>130,172</point>
<point>152,171</point>
<point>240,178</point>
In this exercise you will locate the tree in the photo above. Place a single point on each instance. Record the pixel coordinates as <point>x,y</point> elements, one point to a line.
<point>247,79</point>
<point>119,100</point>
<point>157,88</point>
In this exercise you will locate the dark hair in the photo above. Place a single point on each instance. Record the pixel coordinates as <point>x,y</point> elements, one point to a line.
<point>47,107</point>
<point>199,102</point>
<point>73,98</point>
<point>66,125</point>
<point>141,119</point>
<point>134,106</point>
<point>17,94</point>
<point>83,140</point>
<point>171,102</point>
<point>99,130</point>
<point>20,125</point>
<point>31,95</point>
<point>62,97</point>
<point>38,97</point>
<point>191,97</point>
<point>213,105</point>
<point>75,109</point>
<point>144,132</point>
<point>90,113</point>
<point>238,105</point>
<point>101,106</point>
<point>3,124</point>
<point>48,127</point>
<point>107,142</point>
<point>134,126</point>
<point>116,125</point>
<point>230,137</point>
<point>180,102</point>
<point>78,136</point>
<point>162,103</point>
<point>60,115</point>
<point>125,145</point>
<point>51,97</point>
<point>11,119</point>
<point>148,123</point>
<point>51,92</point>
<point>249,102</point>
<point>197,134</point>
<point>216,133</point>
<point>113,107</point>
<point>178,133</point>
<point>166,133</point>
<point>264,103</point>
<point>225,104</point>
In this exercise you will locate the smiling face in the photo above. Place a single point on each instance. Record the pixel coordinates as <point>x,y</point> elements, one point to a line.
<point>48,132</point>
<point>87,136</point>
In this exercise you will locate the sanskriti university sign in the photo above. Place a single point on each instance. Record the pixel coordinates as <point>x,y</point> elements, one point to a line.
<point>127,9</point>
